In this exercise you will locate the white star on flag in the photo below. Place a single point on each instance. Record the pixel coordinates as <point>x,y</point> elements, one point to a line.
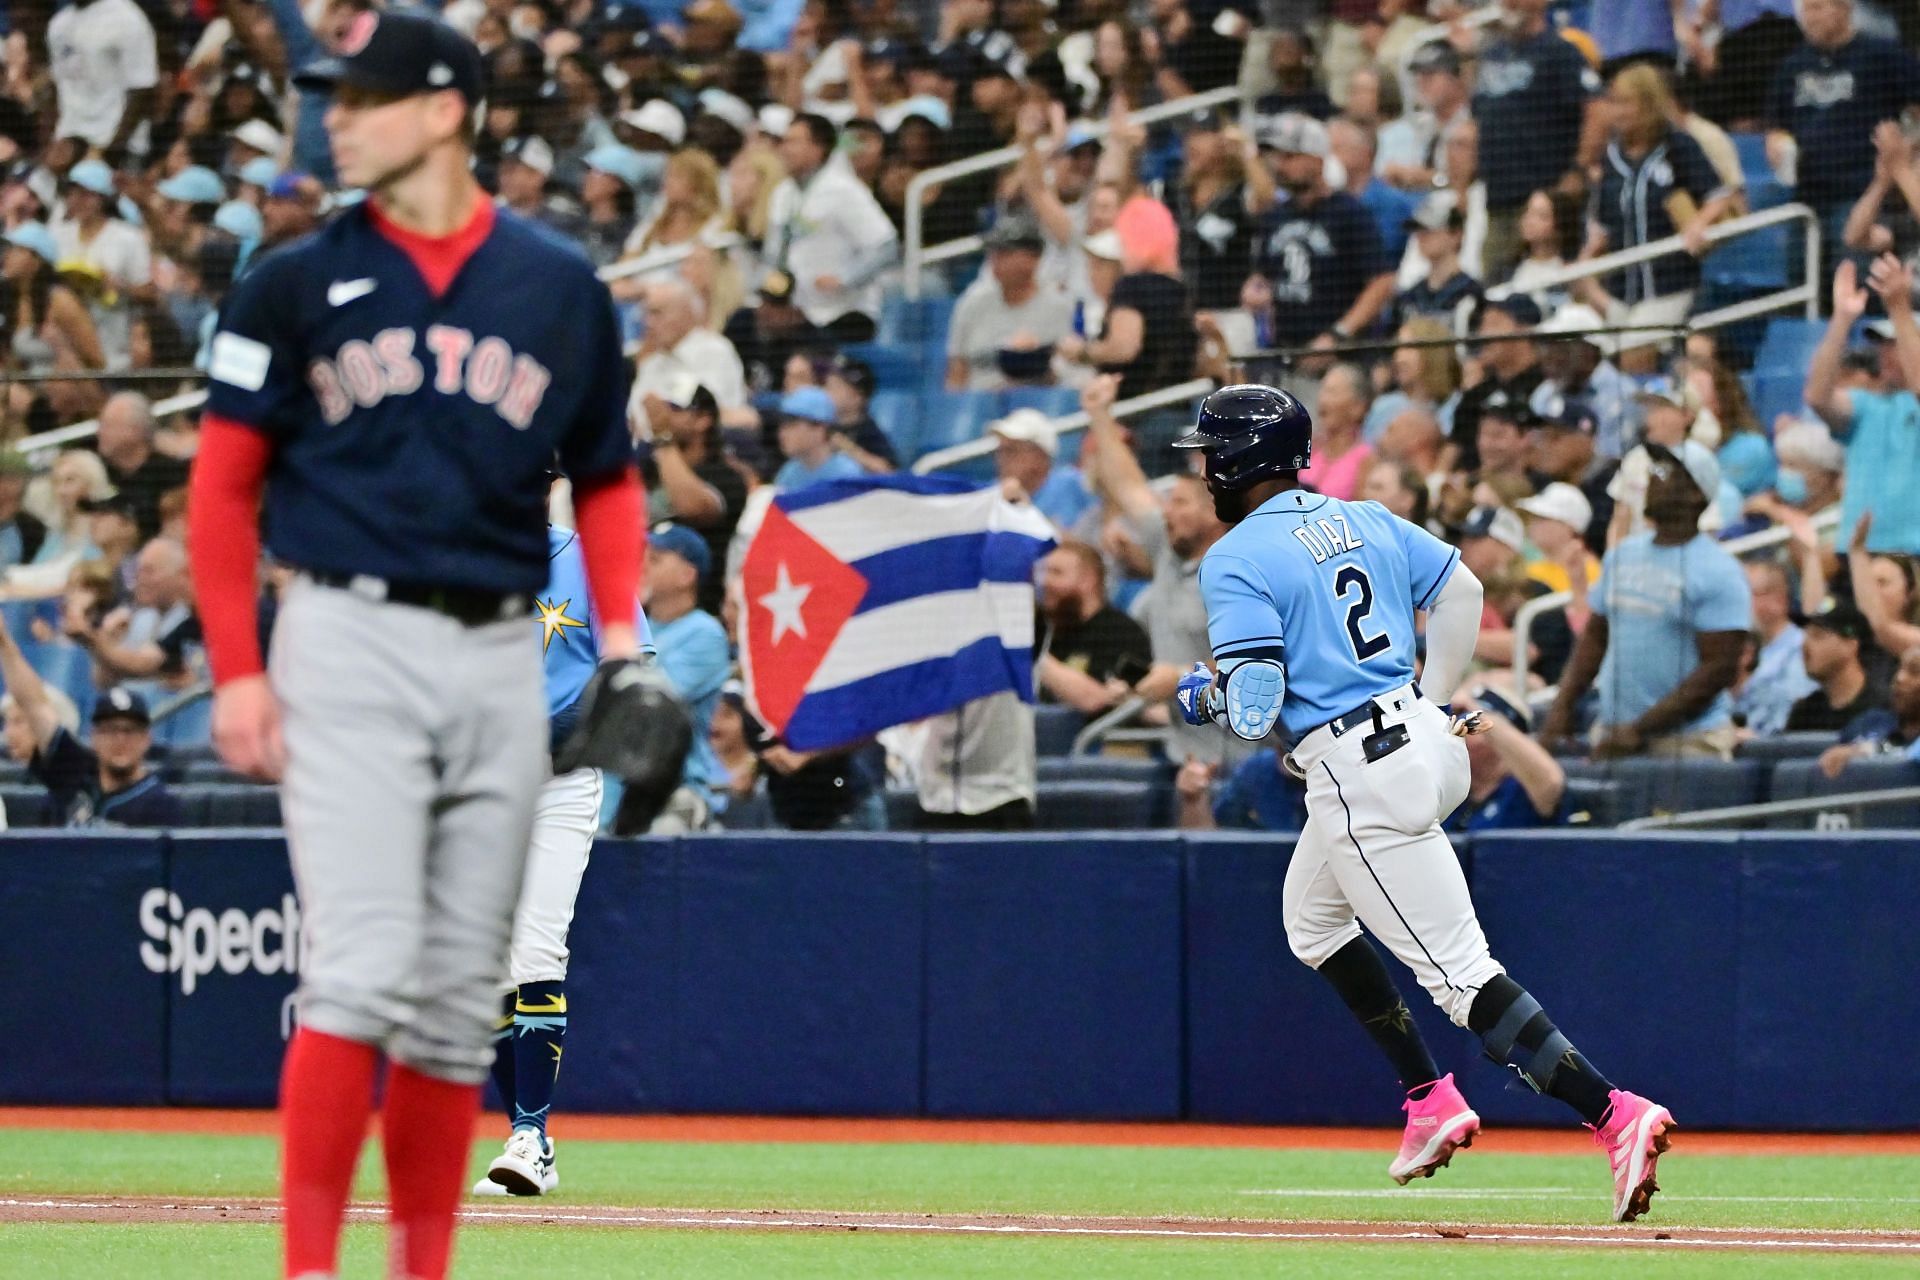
<point>784,602</point>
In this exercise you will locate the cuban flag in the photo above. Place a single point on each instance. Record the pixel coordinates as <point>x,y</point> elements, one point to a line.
<point>875,602</point>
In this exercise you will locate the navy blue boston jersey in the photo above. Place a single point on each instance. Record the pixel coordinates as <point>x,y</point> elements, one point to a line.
<point>411,432</point>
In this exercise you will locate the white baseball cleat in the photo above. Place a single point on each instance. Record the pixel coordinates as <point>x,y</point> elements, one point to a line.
<point>488,1187</point>
<point>526,1167</point>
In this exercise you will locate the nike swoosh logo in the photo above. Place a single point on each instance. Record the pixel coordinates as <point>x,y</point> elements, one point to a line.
<point>341,292</point>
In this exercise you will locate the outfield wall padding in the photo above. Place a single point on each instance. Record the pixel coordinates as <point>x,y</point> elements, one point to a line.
<point>1747,980</point>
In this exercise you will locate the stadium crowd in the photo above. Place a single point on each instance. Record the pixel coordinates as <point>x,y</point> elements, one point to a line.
<point>1384,225</point>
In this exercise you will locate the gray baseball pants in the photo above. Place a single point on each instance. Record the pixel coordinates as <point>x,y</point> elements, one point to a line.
<point>416,746</point>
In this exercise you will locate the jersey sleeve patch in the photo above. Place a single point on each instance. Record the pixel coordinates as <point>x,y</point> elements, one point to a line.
<point>239,361</point>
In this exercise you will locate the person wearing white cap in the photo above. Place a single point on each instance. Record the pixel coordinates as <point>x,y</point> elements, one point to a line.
<point>90,233</point>
<point>826,230</point>
<point>105,66</point>
<point>1881,426</point>
<point>254,140</point>
<point>1557,519</point>
<point>1582,383</point>
<point>1670,411</point>
<point>1321,259</point>
<point>1026,458</point>
<point>1682,612</point>
<point>657,125</point>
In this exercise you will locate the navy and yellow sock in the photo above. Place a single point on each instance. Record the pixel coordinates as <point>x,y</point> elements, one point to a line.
<point>539,1035</point>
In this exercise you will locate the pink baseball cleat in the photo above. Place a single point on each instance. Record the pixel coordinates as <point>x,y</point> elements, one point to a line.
<point>1437,1126</point>
<point>1634,1132</point>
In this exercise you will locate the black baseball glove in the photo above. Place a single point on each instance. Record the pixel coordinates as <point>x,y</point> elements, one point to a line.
<point>631,724</point>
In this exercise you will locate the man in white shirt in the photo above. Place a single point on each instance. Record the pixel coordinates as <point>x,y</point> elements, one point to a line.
<point>90,234</point>
<point>675,346</point>
<point>104,69</point>
<point>826,230</point>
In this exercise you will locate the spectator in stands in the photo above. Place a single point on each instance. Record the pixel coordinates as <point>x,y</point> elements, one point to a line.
<point>51,326</point>
<point>1893,169</point>
<point>1353,144</point>
<point>1174,538</point>
<point>1655,182</point>
<point>106,782</point>
<point>690,480</point>
<point>1514,783</point>
<point>1258,795</point>
<point>1557,518</point>
<point>76,477</point>
<point>526,169</point>
<point>1296,88</point>
<point>1893,730</point>
<point>1060,190</point>
<point>1731,78</point>
<point>1884,589</point>
<point>1194,54</point>
<point>1502,364</point>
<point>1026,459</point>
<point>1680,606</point>
<point>1670,412</point>
<point>807,430</point>
<point>21,532</point>
<point>1340,453</point>
<point>134,467</point>
<point>1090,652</point>
<point>771,332</point>
<point>1536,97</point>
<point>1492,545</point>
<point>850,382</point>
<point>1322,276</point>
<point>691,212</point>
<point>1583,387</point>
<point>1779,678</point>
<point>90,232</point>
<point>695,656</point>
<point>613,174</point>
<point>676,345</point>
<point>1807,481</point>
<point>1878,426</point>
<point>1425,375</point>
<point>1223,195</point>
<point>1147,335</point>
<point>1414,440</point>
<point>828,232</point>
<point>1005,325</point>
<point>1827,97</point>
<point>1834,640</point>
<point>1502,445</point>
<point>1552,230</point>
<point>975,768</point>
<point>104,68</point>
<point>155,647</point>
<point>1397,487</point>
<point>1447,290</point>
<point>291,209</point>
<point>113,529</point>
<point>1411,156</point>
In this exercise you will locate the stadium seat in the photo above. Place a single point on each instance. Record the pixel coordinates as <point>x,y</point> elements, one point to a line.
<point>1593,802</point>
<point>1054,728</point>
<point>903,808</point>
<point>1803,779</point>
<point>1651,787</point>
<point>1094,806</point>
<point>1786,746</point>
<point>894,365</point>
<point>954,417</point>
<point>1055,402</point>
<point>1752,150</point>
<point>1774,392</point>
<point>1788,347</point>
<point>1135,769</point>
<point>236,805</point>
<point>192,723</point>
<point>897,413</point>
<point>27,805</point>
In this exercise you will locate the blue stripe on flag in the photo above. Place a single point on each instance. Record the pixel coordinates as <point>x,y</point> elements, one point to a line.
<point>958,563</point>
<point>819,495</point>
<point>849,712</point>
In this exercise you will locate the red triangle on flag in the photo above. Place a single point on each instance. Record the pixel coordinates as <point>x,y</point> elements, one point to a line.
<point>796,595</point>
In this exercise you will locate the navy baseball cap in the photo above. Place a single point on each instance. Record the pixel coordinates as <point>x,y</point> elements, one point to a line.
<point>683,542</point>
<point>400,54</point>
<point>120,703</point>
<point>1524,310</point>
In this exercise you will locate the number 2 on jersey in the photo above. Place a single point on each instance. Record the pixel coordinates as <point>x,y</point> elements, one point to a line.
<point>1351,579</point>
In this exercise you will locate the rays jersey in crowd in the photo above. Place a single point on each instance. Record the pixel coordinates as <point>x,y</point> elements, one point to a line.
<point>569,632</point>
<point>1328,589</point>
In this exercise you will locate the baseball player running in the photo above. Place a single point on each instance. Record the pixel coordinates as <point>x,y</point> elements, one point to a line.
<point>397,384</point>
<point>532,1031</point>
<point>1336,585</point>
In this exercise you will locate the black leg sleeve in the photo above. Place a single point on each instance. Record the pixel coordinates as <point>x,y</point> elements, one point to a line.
<point>1360,976</point>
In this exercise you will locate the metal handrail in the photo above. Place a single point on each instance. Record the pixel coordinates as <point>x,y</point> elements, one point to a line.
<point>1776,809</point>
<point>1075,421</point>
<point>187,697</point>
<point>1746,544</point>
<point>1096,729</point>
<point>1807,293</point>
<point>669,254</point>
<point>916,255</point>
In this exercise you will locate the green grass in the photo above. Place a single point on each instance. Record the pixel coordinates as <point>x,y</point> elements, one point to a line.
<point>1485,1188</point>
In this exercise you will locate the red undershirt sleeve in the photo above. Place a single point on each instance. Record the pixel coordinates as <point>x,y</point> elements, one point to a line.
<point>607,511</point>
<point>223,537</point>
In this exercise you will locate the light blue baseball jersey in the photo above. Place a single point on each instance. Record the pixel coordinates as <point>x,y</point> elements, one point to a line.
<point>1329,589</point>
<point>569,631</point>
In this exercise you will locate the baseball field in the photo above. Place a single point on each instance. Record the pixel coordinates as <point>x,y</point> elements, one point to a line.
<point>103,1193</point>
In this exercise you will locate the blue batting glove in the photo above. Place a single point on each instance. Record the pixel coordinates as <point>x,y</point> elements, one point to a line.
<point>1199,700</point>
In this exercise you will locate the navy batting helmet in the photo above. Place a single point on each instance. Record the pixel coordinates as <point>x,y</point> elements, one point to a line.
<point>1249,434</point>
